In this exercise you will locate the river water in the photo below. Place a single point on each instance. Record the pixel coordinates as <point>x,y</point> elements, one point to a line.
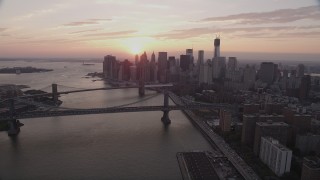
<point>104,146</point>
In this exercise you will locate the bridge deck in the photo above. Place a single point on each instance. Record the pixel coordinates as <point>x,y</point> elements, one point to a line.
<point>73,112</point>
<point>99,89</point>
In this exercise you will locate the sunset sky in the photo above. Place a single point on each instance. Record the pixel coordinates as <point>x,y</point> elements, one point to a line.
<point>83,28</point>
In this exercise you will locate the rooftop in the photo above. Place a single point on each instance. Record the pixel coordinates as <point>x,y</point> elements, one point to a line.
<point>276,143</point>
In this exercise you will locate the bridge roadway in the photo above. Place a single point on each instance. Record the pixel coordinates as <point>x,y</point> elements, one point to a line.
<point>244,169</point>
<point>73,112</point>
<point>98,89</point>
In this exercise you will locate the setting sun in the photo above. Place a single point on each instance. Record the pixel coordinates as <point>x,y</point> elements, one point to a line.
<point>135,49</point>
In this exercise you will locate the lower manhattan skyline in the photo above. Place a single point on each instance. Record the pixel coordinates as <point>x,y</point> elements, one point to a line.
<point>278,29</point>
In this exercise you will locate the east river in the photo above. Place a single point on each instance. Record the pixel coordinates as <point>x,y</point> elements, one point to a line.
<point>104,146</point>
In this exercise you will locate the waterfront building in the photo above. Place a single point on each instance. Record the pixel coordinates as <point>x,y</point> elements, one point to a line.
<point>109,64</point>
<point>275,155</point>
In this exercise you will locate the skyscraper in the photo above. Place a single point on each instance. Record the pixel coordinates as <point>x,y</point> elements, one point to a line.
<point>172,62</point>
<point>219,67</point>
<point>209,68</point>
<point>232,68</point>
<point>218,63</point>
<point>249,74</point>
<point>109,66</point>
<point>305,87</point>
<point>189,52</point>
<point>153,69</point>
<point>201,57</point>
<point>184,62</point>
<point>173,72</point>
<point>126,70</point>
<point>267,72</point>
<point>200,66</point>
<point>162,66</point>
<point>142,66</point>
<point>136,59</point>
<point>153,58</point>
<point>300,70</point>
<point>133,73</point>
<point>232,64</point>
<point>216,47</point>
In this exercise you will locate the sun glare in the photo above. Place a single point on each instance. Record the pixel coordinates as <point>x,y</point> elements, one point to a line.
<point>135,49</point>
<point>136,45</point>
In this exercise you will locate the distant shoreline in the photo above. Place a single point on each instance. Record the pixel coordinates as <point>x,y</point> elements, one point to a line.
<point>19,70</point>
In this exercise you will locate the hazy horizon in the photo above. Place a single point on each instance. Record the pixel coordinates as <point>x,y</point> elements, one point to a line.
<point>247,56</point>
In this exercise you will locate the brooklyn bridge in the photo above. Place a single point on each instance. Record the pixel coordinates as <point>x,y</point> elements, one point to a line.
<point>51,111</point>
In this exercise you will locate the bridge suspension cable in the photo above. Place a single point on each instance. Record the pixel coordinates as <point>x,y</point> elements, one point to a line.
<point>117,106</point>
<point>68,88</point>
<point>142,100</point>
<point>46,89</point>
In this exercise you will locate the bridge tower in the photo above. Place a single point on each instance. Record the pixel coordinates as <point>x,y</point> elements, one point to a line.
<point>141,87</point>
<point>165,118</point>
<point>13,124</point>
<point>55,93</point>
